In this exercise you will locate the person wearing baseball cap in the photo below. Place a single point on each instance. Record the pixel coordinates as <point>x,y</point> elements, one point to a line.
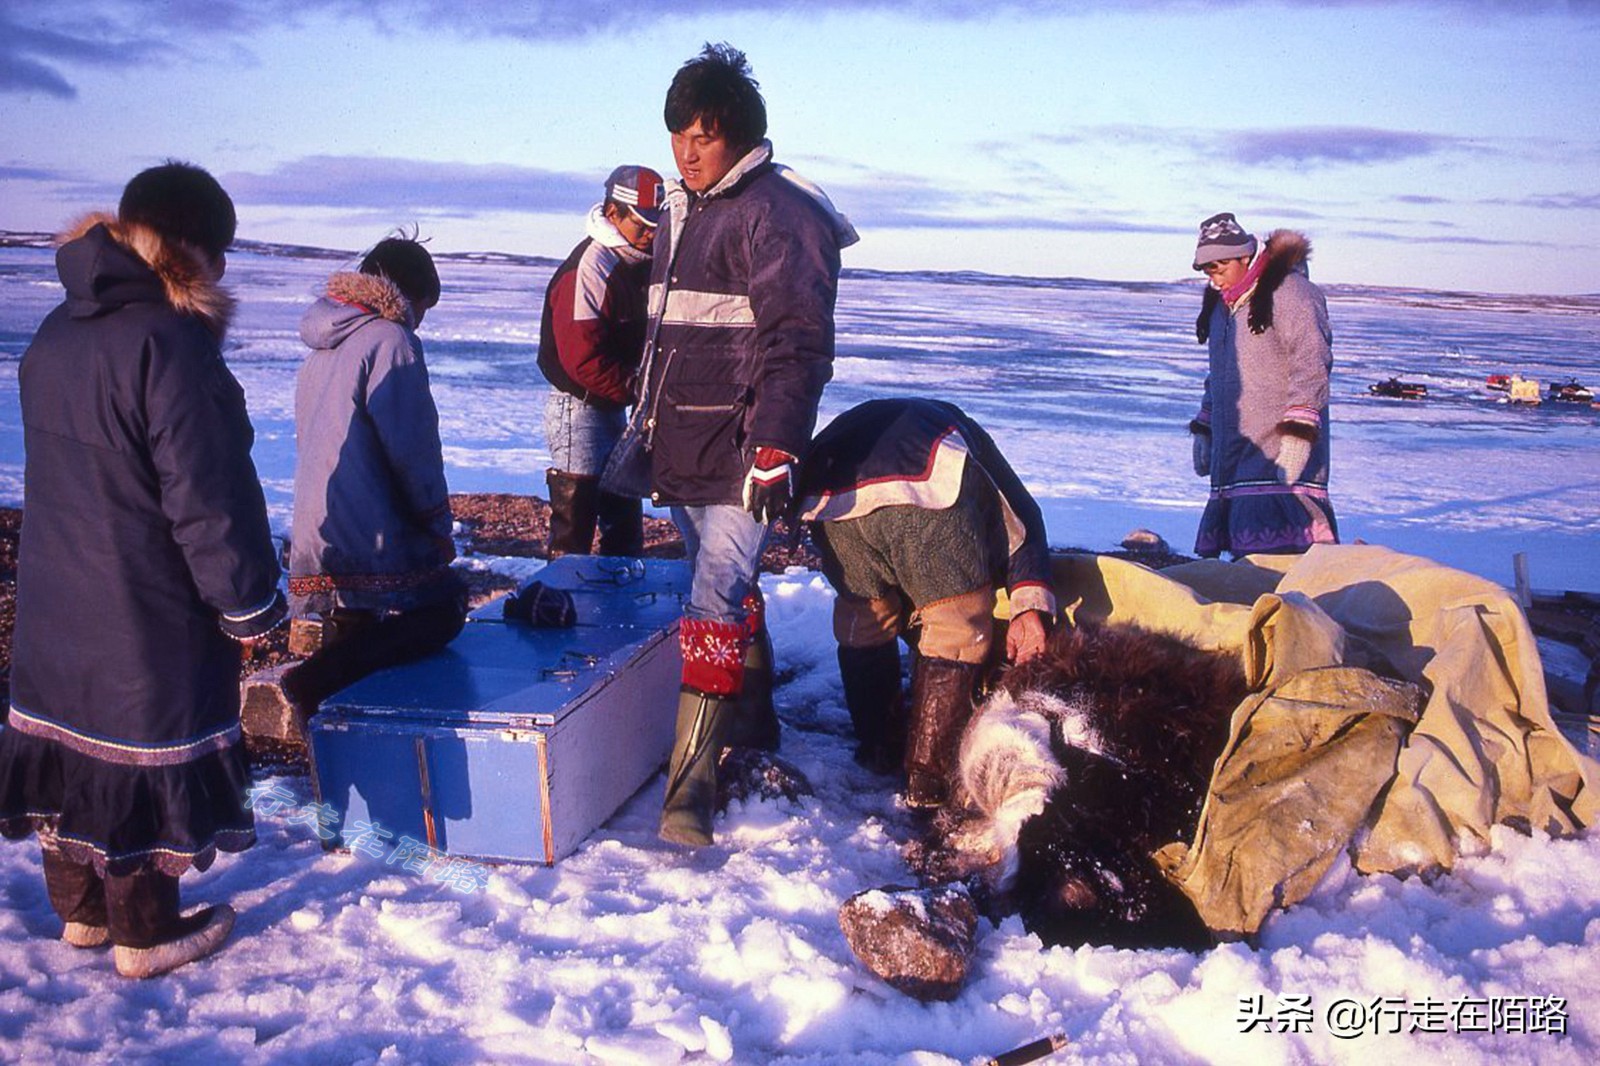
<point>591,334</point>
<point>1261,434</point>
<point>636,193</point>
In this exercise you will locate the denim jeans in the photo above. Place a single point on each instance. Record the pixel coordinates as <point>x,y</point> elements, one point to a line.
<point>723,543</point>
<point>580,436</point>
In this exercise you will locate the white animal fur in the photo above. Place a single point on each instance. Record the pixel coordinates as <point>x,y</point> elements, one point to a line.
<point>1007,771</point>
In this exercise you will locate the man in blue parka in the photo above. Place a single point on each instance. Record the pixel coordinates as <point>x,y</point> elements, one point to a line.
<point>920,521</point>
<point>738,346</point>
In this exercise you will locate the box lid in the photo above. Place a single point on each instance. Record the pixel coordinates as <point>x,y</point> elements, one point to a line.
<point>499,674</point>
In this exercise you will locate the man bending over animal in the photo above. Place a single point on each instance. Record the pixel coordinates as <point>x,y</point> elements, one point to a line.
<point>919,520</point>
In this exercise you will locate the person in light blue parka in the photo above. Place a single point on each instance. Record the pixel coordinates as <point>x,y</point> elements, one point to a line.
<point>370,546</point>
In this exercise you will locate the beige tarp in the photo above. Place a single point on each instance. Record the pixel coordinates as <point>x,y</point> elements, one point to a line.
<point>1398,710</point>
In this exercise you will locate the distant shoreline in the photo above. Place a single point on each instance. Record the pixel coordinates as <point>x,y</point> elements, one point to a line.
<point>1585,303</point>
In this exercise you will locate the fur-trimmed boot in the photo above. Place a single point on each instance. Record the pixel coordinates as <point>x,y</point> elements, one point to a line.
<point>691,799</point>
<point>621,521</point>
<point>83,935</point>
<point>197,935</point>
<point>871,680</point>
<point>574,502</point>
<point>941,704</point>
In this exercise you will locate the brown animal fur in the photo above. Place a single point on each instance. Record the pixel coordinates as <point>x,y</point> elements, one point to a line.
<point>1285,251</point>
<point>183,269</point>
<point>374,292</point>
<point>1137,721</point>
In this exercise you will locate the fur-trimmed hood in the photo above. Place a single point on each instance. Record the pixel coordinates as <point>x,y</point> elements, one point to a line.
<point>374,292</point>
<point>352,300</point>
<point>100,260</point>
<point>1286,252</point>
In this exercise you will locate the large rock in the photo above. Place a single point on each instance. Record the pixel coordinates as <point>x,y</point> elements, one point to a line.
<point>1145,540</point>
<point>264,711</point>
<point>918,940</point>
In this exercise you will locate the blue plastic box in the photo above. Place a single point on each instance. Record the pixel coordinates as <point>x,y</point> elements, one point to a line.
<point>514,743</point>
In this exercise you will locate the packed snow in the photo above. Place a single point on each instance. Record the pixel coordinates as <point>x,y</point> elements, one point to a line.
<point>630,951</point>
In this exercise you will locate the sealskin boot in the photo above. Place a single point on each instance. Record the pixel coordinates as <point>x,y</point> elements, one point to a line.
<point>574,500</point>
<point>83,935</point>
<point>691,798</point>
<point>621,520</point>
<point>871,679</point>
<point>941,704</point>
<point>198,935</point>
<point>755,721</point>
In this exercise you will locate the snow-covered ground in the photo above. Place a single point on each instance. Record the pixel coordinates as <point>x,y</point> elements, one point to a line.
<point>631,952</point>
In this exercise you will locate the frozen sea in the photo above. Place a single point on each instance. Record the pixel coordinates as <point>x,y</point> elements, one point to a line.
<point>1088,387</point>
<point>630,952</point>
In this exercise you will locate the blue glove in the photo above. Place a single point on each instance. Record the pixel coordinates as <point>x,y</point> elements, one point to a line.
<point>255,622</point>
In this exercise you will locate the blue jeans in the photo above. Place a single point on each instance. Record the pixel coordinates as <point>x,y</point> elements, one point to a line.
<point>723,543</point>
<point>580,436</point>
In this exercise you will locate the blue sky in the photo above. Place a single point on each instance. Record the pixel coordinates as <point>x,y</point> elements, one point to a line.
<point>1434,143</point>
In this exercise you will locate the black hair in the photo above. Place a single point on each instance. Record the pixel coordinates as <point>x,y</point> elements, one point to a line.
<point>181,201</point>
<point>718,88</point>
<point>404,261</point>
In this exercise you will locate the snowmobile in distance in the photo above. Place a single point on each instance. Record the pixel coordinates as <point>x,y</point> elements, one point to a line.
<point>1570,391</point>
<point>1405,390</point>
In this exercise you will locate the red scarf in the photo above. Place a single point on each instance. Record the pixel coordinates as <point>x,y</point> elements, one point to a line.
<point>1233,294</point>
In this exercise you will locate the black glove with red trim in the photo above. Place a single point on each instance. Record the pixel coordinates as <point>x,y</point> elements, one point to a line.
<point>768,486</point>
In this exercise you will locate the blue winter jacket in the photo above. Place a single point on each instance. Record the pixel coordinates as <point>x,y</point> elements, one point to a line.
<point>145,538</point>
<point>371,508</point>
<point>739,342</point>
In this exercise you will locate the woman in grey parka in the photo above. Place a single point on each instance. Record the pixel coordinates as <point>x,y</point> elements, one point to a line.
<point>1262,431</point>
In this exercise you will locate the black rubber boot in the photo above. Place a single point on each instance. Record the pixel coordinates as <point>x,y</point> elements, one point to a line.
<point>574,500</point>
<point>691,799</point>
<point>941,704</point>
<point>871,679</point>
<point>755,720</point>
<point>621,520</point>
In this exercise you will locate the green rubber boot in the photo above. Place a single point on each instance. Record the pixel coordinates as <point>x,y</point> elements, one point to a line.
<point>691,798</point>
<point>755,723</point>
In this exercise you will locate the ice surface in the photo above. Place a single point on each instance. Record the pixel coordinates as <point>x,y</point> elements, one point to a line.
<point>630,951</point>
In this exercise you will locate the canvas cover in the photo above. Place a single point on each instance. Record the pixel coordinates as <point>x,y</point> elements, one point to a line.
<point>1398,711</point>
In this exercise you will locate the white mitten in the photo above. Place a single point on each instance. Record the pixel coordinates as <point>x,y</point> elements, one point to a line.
<point>1293,455</point>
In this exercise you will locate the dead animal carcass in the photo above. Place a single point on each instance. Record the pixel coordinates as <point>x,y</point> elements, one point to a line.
<point>1083,763</point>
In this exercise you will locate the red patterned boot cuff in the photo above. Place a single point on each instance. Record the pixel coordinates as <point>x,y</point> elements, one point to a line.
<point>713,655</point>
<point>755,608</point>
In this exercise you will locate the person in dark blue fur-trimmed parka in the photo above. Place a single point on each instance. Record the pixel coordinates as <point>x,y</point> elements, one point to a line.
<point>920,522</point>
<point>145,559</point>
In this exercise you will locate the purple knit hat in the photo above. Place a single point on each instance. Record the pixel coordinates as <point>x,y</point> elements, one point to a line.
<point>1221,237</point>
